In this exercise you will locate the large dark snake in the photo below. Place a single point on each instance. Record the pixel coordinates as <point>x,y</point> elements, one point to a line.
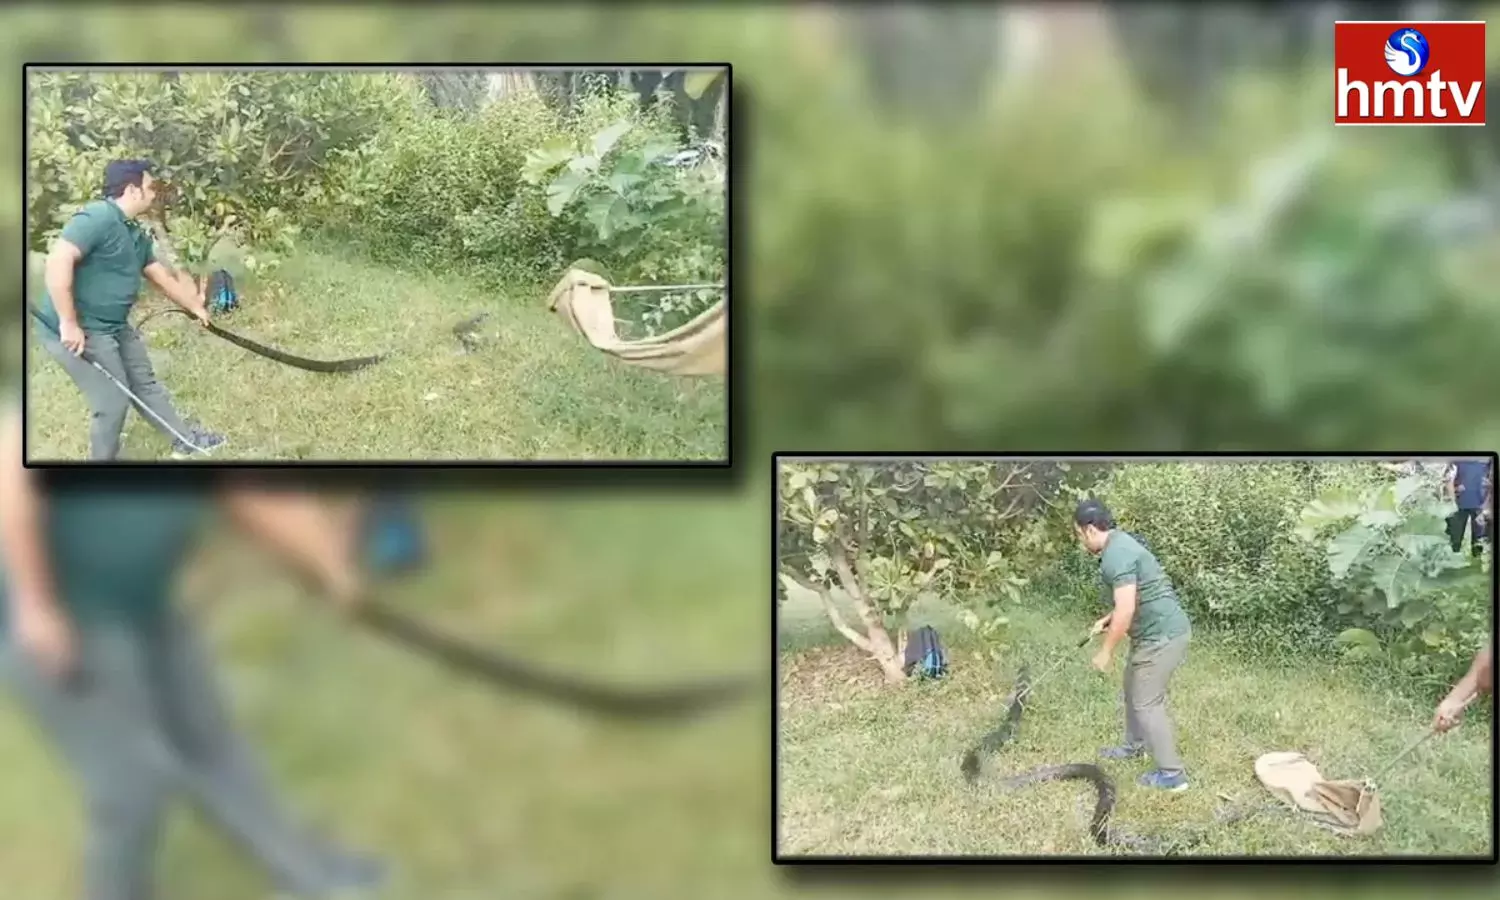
<point>1101,830</point>
<point>271,353</point>
<point>501,670</point>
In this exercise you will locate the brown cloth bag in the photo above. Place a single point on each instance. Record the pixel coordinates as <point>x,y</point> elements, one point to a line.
<point>696,348</point>
<point>1344,807</point>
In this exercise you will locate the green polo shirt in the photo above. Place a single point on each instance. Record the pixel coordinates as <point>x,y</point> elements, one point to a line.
<point>116,550</point>
<point>1159,615</point>
<point>107,280</point>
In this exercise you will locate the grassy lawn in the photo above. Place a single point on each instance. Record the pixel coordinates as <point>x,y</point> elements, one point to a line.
<point>472,793</point>
<point>532,390</point>
<point>867,770</point>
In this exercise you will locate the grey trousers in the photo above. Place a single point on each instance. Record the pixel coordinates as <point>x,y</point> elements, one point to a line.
<point>124,356</point>
<point>1148,671</point>
<point>147,723</point>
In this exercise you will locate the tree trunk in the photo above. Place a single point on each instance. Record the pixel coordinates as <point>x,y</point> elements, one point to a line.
<point>509,84</point>
<point>887,654</point>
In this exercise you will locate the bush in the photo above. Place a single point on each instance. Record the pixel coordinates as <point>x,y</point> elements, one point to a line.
<point>260,157</point>
<point>653,223</point>
<point>1104,293</point>
<point>444,189</point>
<point>240,151</point>
<point>1415,604</point>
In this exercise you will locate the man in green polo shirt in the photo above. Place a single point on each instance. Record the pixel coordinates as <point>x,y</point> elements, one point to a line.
<point>93,277</point>
<point>1143,605</point>
<point>120,681</point>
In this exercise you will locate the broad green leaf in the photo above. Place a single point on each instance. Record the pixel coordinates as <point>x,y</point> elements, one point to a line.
<point>622,182</point>
<point>605,140</point>
<point>1330,509</point>
<point>1380,518</point>
<point>1345,550</point>
<point>1357,637</point>
<point>563,189</point>
<point>1414,612</point>
<point>541,161</point>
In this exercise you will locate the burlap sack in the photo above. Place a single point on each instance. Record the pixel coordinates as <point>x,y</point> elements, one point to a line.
<point>697,348</point>
<point>1343,807</point>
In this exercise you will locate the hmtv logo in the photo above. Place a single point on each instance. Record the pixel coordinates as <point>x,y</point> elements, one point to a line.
<point>1408,73</point>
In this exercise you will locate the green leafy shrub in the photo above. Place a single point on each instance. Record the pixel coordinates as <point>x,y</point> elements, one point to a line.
<point>241,150</point>
<point>445,189</point>
<point>653,223</point>
<point>1410,599</point>
<point>1031,280</point>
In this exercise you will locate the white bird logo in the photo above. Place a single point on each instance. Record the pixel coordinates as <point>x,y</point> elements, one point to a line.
<point>1405,59</point>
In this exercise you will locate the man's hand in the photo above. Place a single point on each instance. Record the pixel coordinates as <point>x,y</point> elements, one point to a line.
<point>199,311</point>
<point>1102,661</point>
<point>194,300</point>
<point>1100,625</point>
<point>71,335</point>
<point>46,635</point>
<point>347,590</point>
<point>180,288</point>
<point>1449,713</point>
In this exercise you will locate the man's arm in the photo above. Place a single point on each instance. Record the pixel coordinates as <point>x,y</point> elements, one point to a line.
<point>1480,679</point>
<point>304,530</point>
<point>1120,619</point>
<point>62,259</point>
<point>179,289</point>
<point>21,527</point>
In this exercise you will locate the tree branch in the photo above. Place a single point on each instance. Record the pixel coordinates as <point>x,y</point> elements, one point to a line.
<point>834,616</point>
<point>856,591</point>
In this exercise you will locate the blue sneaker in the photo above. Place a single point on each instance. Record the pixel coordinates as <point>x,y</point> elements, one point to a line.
<point>206,442</point>
<point>1125,751</point>
<point>1164,781</point>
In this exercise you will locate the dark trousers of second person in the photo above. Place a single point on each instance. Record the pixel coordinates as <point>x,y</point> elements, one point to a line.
<point>1467,519</point>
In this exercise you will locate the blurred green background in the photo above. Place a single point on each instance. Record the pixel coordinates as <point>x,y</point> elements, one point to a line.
<point>957,229</point>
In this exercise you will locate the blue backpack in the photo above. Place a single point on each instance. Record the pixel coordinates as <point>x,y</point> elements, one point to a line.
<point>220,293</point>
<point>925,656</point>
<point>391,535</point>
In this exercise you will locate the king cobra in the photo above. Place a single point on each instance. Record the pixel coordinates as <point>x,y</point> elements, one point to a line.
<point>1104,833</point>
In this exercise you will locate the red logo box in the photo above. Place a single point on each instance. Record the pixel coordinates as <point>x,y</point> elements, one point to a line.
<point>1447,90</point>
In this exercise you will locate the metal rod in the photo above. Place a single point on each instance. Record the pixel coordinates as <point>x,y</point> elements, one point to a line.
<point>1057,664</point>
<point>1413,745</point>
<point>141,406</point>
<point>647,288</point>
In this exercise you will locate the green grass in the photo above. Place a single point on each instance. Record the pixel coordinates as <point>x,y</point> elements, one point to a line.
<point>872,770</point>
<point>533,390</point>
<point>473,793</point>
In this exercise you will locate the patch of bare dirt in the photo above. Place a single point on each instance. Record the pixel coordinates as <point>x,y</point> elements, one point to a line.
<point>828,676</point>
